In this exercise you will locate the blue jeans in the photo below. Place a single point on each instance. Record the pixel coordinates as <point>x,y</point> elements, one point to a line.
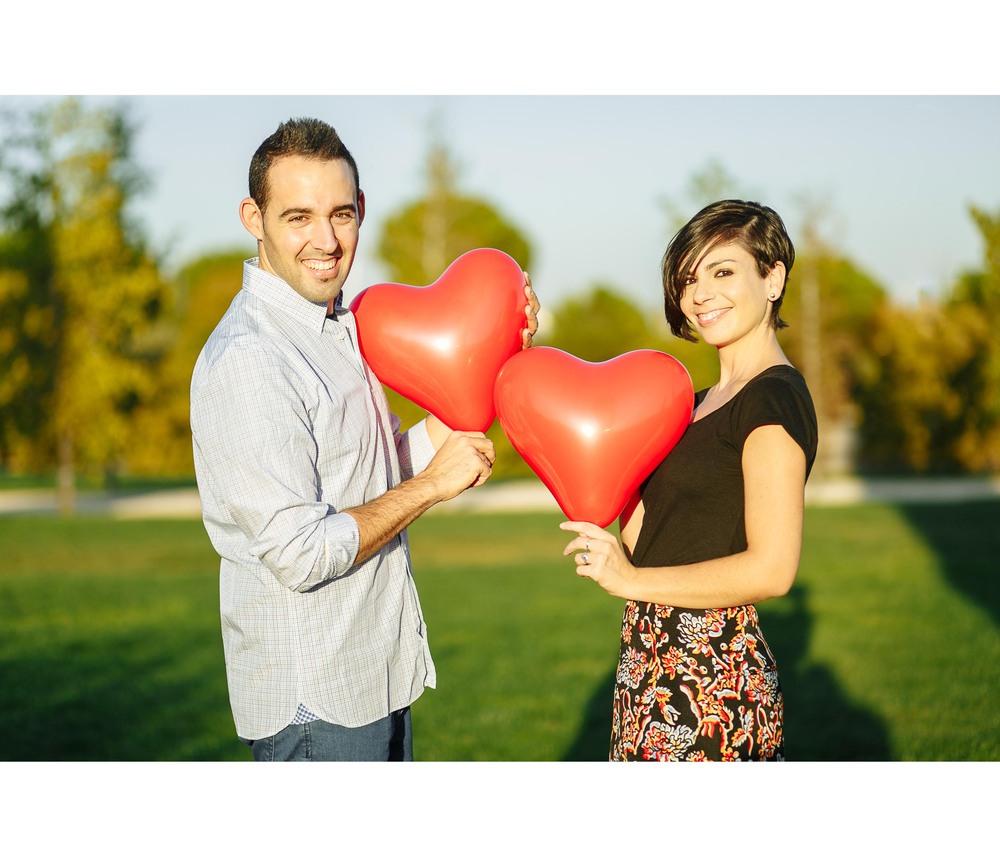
<point>386,740</point>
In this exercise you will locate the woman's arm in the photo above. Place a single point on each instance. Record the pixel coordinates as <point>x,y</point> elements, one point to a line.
<point>630,523</point>
<point>774,471</point>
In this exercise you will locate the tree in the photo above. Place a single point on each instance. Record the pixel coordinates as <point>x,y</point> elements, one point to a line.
<point>81,295</point>
<point>929,392</point>
<point>204,289</point>
<point>425,236</point>
<point>603,324</point>
<point>709,184</point>
<point>847,303</point>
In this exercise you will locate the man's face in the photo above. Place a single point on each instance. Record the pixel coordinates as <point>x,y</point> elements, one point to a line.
<point>308,233</point>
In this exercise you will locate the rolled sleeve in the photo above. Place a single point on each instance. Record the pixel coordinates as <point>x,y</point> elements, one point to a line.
<point>414,448</point>
<point>262,469</point>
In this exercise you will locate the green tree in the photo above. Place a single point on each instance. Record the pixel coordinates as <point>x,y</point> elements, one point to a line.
<point>419,241</point>
<point>204,289</point>
<point>710,183</point>
<point>81,295</point>
<point>826,347</point>
<point>929,392</point>
<point>425,236</point>
<point>603,323</point>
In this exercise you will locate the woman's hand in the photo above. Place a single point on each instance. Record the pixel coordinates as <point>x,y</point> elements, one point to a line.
<point>600,557</point>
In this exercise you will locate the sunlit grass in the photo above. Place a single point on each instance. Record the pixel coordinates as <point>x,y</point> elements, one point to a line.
<point>889,647</point>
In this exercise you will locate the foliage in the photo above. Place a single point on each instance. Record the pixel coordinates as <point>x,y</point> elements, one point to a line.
<point>204,288</point>
<point>599,325</point>
<point>929,390</point>
<point>710,183</point>
<point>117,622</point>
<point>827,346</point>
<point>421,239</point>
<point>80,294</point>
<point>602,324</point>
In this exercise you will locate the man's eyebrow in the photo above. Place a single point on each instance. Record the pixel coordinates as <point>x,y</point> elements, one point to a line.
<point>288,212</point>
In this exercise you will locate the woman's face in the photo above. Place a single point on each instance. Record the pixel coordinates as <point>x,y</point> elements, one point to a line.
<point>725,299</point>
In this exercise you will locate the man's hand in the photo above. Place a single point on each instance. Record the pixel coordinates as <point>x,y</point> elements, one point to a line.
<point>531,311</point>
<point>464,460</point>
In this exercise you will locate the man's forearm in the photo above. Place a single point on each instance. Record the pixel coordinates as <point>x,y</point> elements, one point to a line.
<point>386,517</point>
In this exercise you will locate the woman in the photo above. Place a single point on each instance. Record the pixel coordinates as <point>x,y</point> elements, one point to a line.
<point>718,525</point>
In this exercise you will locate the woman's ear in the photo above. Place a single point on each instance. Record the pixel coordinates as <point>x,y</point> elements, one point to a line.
<point>776,281</point>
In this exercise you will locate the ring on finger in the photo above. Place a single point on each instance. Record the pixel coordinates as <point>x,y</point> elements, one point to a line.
<point>586,558</point>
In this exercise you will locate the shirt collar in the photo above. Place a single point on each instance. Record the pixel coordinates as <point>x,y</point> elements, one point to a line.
<point>276,292</point>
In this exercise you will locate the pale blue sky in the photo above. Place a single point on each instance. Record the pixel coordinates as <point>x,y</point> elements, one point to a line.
<point>584,176</point>
<point>775,92</point>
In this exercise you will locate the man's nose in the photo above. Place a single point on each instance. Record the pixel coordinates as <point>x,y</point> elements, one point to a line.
<point>325,237</point>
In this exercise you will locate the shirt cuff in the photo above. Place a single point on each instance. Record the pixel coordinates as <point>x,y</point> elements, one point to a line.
<point>420,448</point>
<point>343,540</point>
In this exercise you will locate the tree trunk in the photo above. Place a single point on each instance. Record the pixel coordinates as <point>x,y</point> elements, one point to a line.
<point>66,478</point>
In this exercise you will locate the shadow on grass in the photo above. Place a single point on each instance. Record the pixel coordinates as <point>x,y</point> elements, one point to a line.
<point>821,722</point>
<point>117,699</point>
<point>594,738</point>
<point>966,538</point>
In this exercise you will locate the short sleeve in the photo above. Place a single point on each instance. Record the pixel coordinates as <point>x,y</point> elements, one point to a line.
<point>778,399</point>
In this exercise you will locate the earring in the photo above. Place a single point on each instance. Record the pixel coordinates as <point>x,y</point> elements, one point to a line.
<point>771,296</point>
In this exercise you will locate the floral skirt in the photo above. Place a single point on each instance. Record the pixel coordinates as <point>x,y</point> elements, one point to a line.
<point>695,685</point>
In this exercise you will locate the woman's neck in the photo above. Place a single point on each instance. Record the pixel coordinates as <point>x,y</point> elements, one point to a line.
<point>746,359</point>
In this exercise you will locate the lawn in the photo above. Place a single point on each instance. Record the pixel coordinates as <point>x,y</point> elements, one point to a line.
<point>889,645</point>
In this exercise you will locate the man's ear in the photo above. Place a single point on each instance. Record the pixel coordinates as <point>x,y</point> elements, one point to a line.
<point>361,206</point>
<point>252,218</point>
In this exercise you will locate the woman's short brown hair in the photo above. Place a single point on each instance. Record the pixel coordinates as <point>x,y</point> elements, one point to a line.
<point>755,227</point>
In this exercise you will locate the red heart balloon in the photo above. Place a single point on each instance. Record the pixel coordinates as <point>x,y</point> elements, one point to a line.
<point>593,431</point>
<point>441,346</point>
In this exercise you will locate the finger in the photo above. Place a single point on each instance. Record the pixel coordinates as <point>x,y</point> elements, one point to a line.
<point>480,443</point>
<point>580,543</point>
<point>586,529</point>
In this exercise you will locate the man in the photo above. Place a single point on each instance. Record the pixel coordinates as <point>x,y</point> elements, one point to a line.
<point>307,485</point>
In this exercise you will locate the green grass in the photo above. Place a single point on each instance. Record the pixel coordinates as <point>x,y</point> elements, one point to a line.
<point>889,646</point>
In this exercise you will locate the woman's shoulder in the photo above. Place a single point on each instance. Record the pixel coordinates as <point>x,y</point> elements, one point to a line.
<point>782,379</point>
<point>779,396</point>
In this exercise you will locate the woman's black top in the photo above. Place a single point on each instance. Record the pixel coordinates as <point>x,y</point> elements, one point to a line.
<point>693,502</point>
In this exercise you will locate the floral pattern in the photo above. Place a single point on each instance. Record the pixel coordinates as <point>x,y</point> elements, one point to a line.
<point>695,685</point>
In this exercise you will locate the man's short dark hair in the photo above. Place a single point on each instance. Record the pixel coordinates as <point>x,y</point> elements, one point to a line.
<point>307,138</point>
